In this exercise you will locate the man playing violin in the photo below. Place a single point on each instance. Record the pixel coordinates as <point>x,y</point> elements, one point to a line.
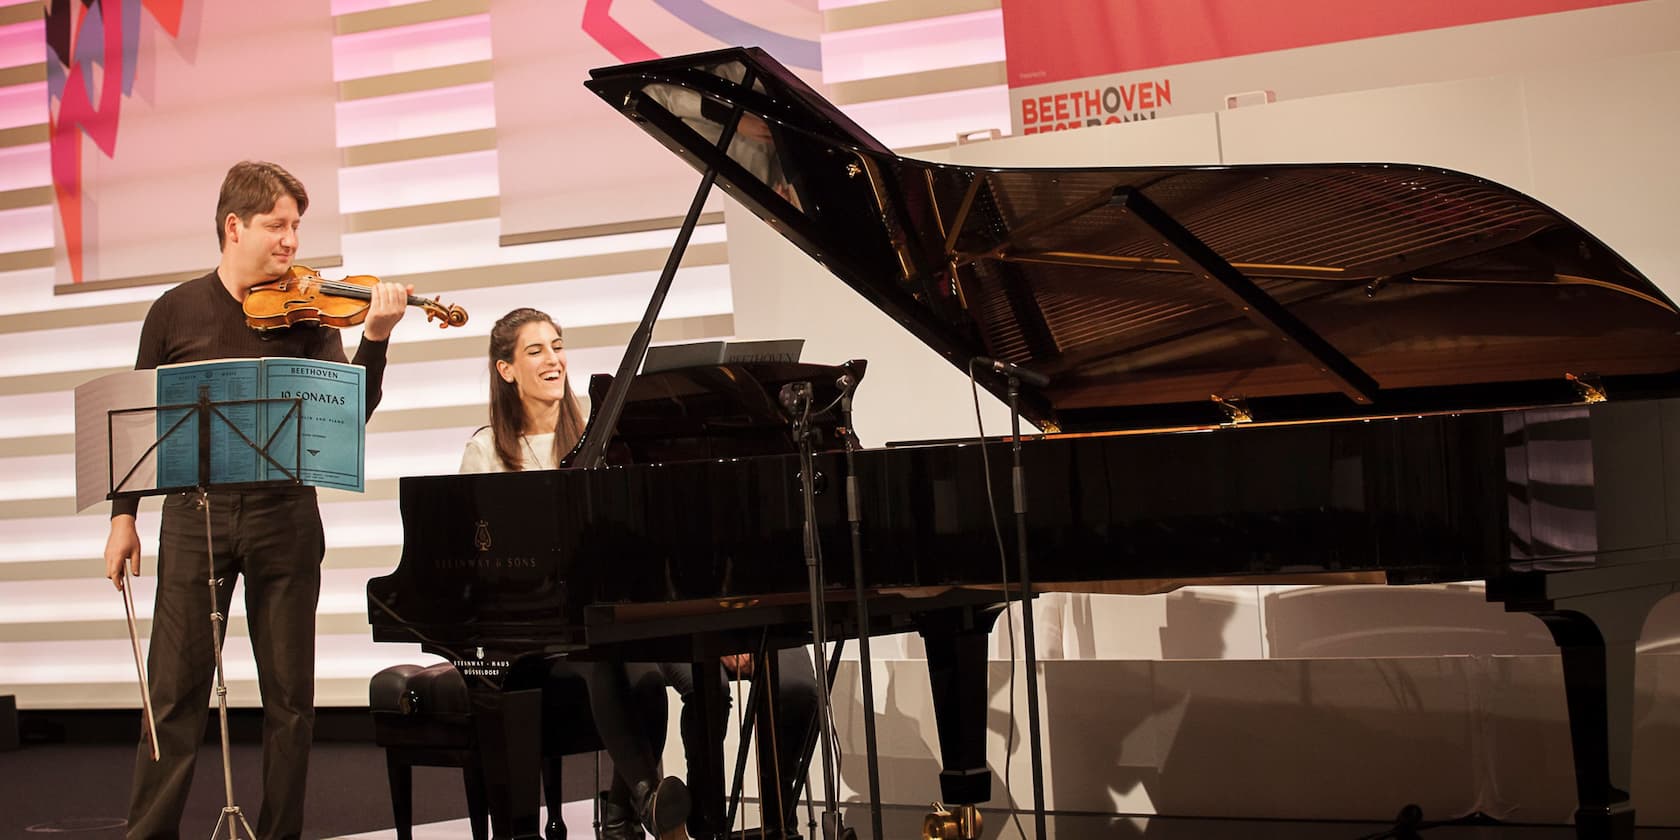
<point>272,537</point>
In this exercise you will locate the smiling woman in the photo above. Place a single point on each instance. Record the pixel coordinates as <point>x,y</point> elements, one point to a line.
<point>535,417</point>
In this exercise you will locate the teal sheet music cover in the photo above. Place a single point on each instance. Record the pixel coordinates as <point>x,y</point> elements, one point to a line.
<point>257,433</point>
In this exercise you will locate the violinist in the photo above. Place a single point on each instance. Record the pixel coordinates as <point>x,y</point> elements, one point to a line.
<point>272,537</point>
<point>535,419</point>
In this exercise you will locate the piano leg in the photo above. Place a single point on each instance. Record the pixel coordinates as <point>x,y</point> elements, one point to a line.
<point>957,671</point>
<point>1596,634</point>
<point>509,729</point>
<point>705,710</point>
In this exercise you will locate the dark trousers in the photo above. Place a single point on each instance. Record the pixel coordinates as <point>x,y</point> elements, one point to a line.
<point>627,701</point>
<point>795,714</point>
<point>274,540</point>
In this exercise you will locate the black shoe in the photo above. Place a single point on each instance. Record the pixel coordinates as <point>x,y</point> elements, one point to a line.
<point>618,816</point>
<point>664,810</point>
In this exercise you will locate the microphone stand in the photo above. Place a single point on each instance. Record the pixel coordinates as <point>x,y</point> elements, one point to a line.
<point>854,515</point>
<point>796,398</point>
<point>1018,480</point>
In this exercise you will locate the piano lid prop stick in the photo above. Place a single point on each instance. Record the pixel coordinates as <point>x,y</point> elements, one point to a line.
<point>139,664</point>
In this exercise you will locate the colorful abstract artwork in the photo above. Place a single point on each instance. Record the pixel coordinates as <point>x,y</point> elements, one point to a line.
<point>93,54</point>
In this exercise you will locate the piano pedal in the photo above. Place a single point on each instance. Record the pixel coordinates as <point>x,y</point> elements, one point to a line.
<point>962,823</point>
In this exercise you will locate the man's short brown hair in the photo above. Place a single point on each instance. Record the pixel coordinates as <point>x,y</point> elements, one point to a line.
<point>252,187</point>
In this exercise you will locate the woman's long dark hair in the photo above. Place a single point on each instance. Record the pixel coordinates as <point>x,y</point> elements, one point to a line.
<point>507,410</point>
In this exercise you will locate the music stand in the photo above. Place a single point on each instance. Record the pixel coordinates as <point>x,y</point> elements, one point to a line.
<point>202,412</point>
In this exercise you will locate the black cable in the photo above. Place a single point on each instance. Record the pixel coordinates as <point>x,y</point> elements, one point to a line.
<point>1009,618</point>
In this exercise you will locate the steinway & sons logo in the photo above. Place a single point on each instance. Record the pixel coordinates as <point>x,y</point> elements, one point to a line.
<point>482,558</point>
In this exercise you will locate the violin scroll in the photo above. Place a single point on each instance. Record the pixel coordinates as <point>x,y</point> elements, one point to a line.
<point>450,315</point>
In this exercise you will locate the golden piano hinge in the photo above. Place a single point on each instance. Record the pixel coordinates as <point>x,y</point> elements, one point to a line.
<point>1235,409</point>
<point>1588,386</point>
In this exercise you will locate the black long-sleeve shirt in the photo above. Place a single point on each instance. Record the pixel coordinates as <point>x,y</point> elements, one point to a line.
<point>198,321</point>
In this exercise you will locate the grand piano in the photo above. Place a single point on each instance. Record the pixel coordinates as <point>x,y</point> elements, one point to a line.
<point>1343,373</point>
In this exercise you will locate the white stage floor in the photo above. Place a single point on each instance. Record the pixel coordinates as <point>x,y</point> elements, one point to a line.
<point>578,815</point>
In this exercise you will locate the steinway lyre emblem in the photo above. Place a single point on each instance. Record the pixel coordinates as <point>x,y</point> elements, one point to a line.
<point>481,535</point>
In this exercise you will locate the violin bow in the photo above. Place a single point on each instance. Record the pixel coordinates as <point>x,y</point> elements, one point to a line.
<point>139,664</point>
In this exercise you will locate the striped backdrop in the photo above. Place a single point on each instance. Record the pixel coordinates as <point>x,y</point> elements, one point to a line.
<point>419,198</point>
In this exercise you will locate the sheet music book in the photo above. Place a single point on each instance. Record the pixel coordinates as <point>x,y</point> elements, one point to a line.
<point>107,441</point>
<point>333,422</point>
<point>701,353</point>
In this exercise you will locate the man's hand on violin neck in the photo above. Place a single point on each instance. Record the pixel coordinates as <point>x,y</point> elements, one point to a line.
<point>390,301</point>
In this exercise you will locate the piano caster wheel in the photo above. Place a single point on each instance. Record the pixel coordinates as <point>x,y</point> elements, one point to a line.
<point>963,823</point>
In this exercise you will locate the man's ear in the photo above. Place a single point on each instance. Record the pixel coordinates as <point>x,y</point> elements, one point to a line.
<point>230,226</point>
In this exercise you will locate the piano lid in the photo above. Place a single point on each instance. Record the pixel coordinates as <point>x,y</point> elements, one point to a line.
<point>1167,296</point>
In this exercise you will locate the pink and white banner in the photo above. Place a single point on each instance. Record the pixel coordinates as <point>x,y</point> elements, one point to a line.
<point>566,159</point>
<point>152,100</point>
<point>1075,63</point>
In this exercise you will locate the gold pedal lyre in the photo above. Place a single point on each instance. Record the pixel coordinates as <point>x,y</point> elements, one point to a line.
<point>961,823</point>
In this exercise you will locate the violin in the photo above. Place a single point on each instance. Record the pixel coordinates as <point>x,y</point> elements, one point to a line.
<point>302,296</point>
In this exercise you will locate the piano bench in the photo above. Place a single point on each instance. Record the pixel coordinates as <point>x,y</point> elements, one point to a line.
<point>422,716</point>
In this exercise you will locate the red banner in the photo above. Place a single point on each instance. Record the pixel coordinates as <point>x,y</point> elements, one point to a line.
<point>1058,40</point>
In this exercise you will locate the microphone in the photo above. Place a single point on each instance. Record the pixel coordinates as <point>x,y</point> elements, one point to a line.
<point>1031,377</point>
<point>793,396</point>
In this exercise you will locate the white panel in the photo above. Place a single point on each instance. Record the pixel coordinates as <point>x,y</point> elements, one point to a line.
<point>37,477</point>
<point>406,183</point>
<point>33,292</point>
<point>67,662</point>
<point>26,228</point>
<point>70,348</point>
<point>587,301</point>
<point>90,598</point>
<point>358,524</point>
<point>24,104</point>
<point>473,243</point>
<point>913,46</point>
<point>418,46</point>
<point>70,538</point>
<point>933,119</point>
<point>28,415</point>
<point>425,113</point>
<point>1602,144</point>
<point>419,249</point>
<point>23,43</point>
<point>435,384</point>
<point>1476,126</point>
<point>22,167</point>
<point>421,452</point>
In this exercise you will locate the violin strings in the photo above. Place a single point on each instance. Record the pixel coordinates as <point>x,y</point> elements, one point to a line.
<point>359,292</point>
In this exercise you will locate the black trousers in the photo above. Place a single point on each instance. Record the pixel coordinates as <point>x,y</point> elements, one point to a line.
<point>627,701</point>
<point>274,540</point>
<point>795,713</point>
